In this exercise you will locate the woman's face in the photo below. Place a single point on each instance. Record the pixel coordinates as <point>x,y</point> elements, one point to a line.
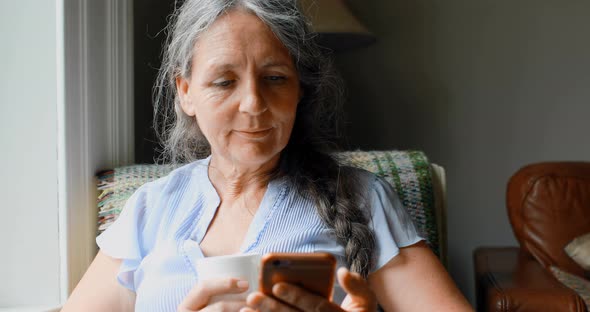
<point>243,89</point>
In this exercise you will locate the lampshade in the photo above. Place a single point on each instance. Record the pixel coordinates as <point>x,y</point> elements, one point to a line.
<point>335,25</point>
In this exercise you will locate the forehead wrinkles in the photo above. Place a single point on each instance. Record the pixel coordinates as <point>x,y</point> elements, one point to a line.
<point>234,37</point>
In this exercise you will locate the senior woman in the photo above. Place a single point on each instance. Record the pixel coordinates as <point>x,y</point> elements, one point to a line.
<point>243,81</point>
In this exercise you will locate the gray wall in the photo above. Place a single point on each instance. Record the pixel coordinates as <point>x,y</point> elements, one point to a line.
<point>483,87</point>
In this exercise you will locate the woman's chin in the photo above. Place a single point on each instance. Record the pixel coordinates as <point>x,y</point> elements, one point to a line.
<point>257,156</point>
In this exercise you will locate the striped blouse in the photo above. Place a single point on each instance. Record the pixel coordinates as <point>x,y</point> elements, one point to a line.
<point>157,235</point>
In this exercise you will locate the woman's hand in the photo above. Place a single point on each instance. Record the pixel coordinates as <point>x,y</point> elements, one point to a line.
<point>199,297</point>
<point>360,298</point>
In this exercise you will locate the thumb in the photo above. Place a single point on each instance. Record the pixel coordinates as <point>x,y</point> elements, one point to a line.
<point>199,296</point>
<point>354,284</point>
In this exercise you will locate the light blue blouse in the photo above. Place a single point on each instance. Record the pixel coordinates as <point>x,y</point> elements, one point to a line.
<point>157,235</point>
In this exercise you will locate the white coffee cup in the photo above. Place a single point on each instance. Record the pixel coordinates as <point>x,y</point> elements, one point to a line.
<point>244,267</point>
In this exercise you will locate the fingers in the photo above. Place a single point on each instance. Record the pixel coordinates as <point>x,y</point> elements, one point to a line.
<point>302,299</point>
<point>257,301</point>
<point>359,294</point>
<point>200,295</point>
<point>354,284</point>
<point>224,306</point>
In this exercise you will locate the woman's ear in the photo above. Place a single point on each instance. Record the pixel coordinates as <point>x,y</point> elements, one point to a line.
<point>182,88</point>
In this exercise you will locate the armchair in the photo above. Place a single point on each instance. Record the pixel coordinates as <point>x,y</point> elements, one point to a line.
<point>548,206</point>
<point>420,185</point>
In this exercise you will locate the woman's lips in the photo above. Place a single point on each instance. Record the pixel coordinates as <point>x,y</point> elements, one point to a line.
<point>254,133</point>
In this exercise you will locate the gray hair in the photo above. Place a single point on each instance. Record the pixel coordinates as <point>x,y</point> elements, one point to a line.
<point>307,158</point>
<point>179,133</point>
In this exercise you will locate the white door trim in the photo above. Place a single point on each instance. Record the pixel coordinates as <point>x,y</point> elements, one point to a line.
<point>95,125</point>
<point>120,79</point>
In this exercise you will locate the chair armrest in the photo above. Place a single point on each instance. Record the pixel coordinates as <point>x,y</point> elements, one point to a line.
<point>439,186</point>
<point>508,280</point>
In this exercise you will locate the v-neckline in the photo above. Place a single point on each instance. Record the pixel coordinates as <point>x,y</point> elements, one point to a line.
<point>213,201</point>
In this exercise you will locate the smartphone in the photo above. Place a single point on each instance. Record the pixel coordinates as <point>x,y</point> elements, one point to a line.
<point>314,272</point>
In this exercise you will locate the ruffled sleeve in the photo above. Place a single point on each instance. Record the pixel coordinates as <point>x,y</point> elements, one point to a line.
<point>391,223</point>
<point>123,239</point>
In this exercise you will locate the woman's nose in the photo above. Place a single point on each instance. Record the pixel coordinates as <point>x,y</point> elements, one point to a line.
<point>252,101</point>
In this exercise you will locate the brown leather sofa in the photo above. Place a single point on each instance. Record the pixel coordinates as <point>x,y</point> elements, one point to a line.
<point>548,205</point>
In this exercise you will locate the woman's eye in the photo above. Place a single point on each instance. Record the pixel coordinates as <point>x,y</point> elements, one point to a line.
<point>275,78</point>
<point>223,83</point>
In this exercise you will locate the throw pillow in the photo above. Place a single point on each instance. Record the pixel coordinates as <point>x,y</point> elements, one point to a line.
<point>579,250</point>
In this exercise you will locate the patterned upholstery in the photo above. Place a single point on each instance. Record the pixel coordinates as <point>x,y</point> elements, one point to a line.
<point>410,174</point>
<point>408,171</point>
<point>574,282</point>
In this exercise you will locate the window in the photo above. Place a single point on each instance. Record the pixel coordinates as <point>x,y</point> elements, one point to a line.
<point>65,113</point>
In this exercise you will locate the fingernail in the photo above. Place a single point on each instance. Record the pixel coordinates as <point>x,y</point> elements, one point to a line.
<point>242,284</point>
<point>253,301</point>
<point>279,290</point>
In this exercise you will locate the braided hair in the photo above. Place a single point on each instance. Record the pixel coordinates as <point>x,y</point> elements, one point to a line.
<point>308,159</point>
